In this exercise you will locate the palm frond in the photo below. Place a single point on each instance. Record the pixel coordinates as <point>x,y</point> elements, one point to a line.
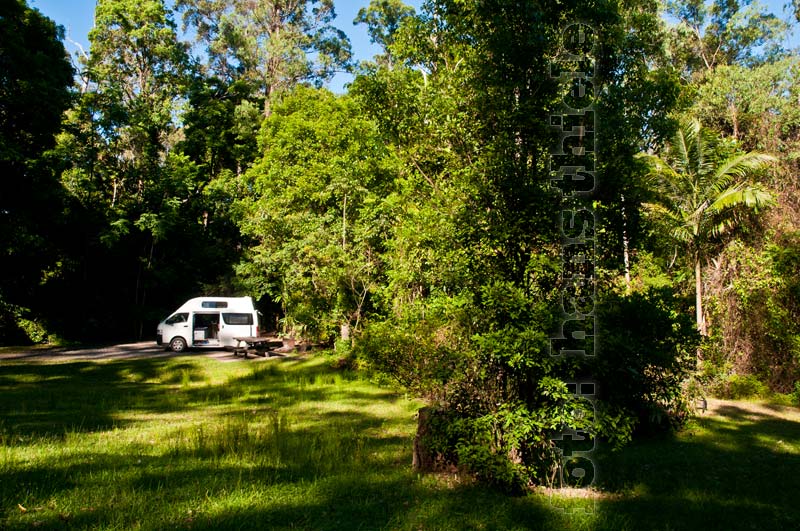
<point>706,160</point>
<point>656,165</point>
<point>662,211</point>
<point>722,226</point>
<point>738,167</point>
<point>661,176</point>
<point>751,196</point>
<point>679,226</point>
<point>682,144</point>
<point>696,191</point>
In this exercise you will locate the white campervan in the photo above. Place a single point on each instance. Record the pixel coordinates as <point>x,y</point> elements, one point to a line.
<point>208,322</point>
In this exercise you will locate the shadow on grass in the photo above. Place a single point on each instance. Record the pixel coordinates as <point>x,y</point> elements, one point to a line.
<point>266,454</point>
<point>254,500</point>
<point>738,470</point>
<point>51,400</point>
<point>323,477</point>
<point>369,503</point>
<point>299,445</point>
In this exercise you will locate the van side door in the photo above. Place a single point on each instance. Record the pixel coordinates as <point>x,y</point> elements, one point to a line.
<point>236,324</point>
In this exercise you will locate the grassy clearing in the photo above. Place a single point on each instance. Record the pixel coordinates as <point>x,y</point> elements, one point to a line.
<point>191,443</point>
<point>735,467</point>
<point>194,443</point>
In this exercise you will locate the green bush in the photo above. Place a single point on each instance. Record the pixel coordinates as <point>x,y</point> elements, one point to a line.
<point>504,449</point>
<point>16,328</point>
<point>35,331</point>
<point>502,398</point>
<point>648,349</point>
<point>738,386</point>
<point>796,393</point>
<point>519,445</point>
<point>753,303</point>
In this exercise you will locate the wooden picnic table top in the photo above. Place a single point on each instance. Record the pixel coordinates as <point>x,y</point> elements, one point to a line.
<point>255,340</point>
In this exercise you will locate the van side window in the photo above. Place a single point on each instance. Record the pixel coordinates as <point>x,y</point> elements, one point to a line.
<point>238,318</point>
<point>214,304</point>
<point>177,318</point>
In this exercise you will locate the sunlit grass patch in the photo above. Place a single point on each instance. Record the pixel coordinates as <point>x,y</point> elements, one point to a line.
<point>191,443</point>
<point>171,443</point>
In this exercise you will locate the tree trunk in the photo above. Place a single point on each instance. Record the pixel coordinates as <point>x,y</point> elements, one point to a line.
<point>698,287</point>
<point>344,223</point>
<point>423,460</point>
<point>625,251</point>
<point>734,120</point>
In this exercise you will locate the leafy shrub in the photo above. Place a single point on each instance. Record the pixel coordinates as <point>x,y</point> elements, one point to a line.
<point>752,299</point>
<point>497,448</point>
<point>518,444</point>
<point>35,331</point>
<point>501,399</point>
<point>647,350</point>
<point>738,386</point>
<point>423,350</point>
<point>796,394</point>
<point>16,328</point>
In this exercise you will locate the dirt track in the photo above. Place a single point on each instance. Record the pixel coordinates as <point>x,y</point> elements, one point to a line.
<point>752,411</point>
<point>144,349</point>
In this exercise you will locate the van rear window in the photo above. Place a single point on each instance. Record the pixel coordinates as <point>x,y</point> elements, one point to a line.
<point>215,304</point>
<point>238,318</point>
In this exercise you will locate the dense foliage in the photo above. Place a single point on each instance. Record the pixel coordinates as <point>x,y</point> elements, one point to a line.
<point>452,221</point>
<point>35,75</point>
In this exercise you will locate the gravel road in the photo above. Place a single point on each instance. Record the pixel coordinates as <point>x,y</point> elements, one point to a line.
<point>143,349</point>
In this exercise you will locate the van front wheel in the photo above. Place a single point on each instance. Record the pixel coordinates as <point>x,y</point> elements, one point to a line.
<point>178,344</point>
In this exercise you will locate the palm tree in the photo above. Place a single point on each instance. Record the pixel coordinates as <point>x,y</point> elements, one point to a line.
<point>700,195</point>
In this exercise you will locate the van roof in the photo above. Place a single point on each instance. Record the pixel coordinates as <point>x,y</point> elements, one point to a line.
<point>235,303</point>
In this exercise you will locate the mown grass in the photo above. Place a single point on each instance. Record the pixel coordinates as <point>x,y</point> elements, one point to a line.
<point>735,468</point>
<point>191,443</point>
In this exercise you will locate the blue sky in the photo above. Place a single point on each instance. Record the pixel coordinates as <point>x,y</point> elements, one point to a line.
<point>77,17</point>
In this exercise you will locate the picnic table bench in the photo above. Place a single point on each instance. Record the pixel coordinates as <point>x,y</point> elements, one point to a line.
<point>257,345</point>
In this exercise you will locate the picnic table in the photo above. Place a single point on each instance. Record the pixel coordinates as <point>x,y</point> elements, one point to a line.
<point>257,345</point>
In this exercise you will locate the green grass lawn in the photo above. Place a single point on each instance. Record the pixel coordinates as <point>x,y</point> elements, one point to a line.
<point>737,467</point>
<point>192,443</point>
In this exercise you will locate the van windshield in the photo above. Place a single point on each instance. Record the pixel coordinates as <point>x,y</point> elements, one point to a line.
<point>177,318</point>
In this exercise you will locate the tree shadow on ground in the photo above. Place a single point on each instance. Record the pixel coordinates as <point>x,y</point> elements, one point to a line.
<point>51,400</point>
<point>735,470</point>
<point>251,466</point>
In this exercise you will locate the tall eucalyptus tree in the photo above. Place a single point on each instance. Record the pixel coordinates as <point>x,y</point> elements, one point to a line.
<point>138,70</point>
<point>273,44</point>
<point>383,19</point>
<point>710,33</point>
